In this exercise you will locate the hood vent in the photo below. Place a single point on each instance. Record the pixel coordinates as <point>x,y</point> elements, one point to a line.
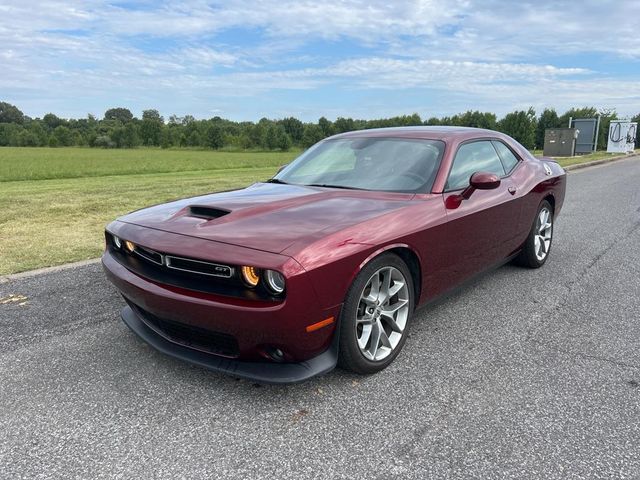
<point>208,213</point>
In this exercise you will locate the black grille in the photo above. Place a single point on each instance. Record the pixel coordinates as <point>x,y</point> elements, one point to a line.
<point>196,266</point>
<point>189,335</point>
<point>188,273</point>
<point>150,255</point>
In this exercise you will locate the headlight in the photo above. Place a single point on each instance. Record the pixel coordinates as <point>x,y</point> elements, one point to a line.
<point>251,276</point>
<point>275,281</point>
<point>116,242</point>
<point>129,246</point>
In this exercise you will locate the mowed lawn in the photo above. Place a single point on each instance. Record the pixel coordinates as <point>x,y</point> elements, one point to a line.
<point>55,203</point>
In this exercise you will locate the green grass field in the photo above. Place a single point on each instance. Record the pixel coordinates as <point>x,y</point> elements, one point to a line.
<point>61,163</point>
<point>55,202</point>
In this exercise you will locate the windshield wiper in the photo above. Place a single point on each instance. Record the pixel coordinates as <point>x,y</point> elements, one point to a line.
<point>277,180</point>
<point>326,185</point>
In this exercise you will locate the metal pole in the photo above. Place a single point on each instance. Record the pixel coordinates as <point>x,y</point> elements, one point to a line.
<point>570,121</point>
<point>595,144</point>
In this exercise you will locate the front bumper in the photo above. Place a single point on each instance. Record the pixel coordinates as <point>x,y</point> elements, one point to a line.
<point>261,372</point>
<point>247,329</point>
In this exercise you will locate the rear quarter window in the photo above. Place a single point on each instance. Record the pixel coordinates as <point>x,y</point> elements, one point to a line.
<point>509,160</point>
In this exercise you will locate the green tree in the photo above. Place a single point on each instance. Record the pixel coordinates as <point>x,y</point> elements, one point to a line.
<point>35,128</point>
<point>477,119</point>
<point>271,137</point>
<point>104,141</point>
<point>326,126</point>
<point>344,125</point>
<point>294,128</point>
<point>283,140</point>
<point>194,139</point>
<point>548,119</point>
<point>214,136</point>
<point>151,127</point>
<point>312,135</point>
<point>52,121</point>
<point>583,112</point>
<point>125,136</point>
<point>121,114</point>
<point>521,126</point>
<point>10,113</point>
<point>27,138</point>
<point>64,136</point>
<point>606,115</point>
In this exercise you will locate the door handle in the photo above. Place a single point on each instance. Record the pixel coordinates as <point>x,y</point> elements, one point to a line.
<point>512,190</point>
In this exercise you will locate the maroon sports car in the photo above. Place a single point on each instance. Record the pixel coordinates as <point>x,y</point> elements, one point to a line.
<point>325,263</point>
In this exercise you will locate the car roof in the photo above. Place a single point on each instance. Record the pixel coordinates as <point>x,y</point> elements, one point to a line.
<point>426,132</point>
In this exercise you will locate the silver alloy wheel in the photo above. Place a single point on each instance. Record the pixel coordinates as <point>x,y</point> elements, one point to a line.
<point>382,313</point>
<point>544,229</point>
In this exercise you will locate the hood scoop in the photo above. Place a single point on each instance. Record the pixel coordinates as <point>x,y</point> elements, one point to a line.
<point>207,213</point>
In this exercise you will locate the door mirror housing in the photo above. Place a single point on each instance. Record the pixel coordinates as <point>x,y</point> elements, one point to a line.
<point>478,181</point>
<point>481,181</point>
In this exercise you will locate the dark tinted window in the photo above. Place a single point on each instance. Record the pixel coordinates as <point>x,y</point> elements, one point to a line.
<point>471,158</point>
<point>509,160</point>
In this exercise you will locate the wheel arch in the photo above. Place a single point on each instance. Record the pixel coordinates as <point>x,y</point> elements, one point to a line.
<point>552,200</point>
<point>409,256</point>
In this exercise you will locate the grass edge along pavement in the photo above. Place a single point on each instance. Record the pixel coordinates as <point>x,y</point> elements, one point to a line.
<point>44,223</point>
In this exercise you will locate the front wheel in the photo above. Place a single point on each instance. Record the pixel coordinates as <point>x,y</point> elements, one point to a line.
<point>538,244</point>
<point>376,315</point>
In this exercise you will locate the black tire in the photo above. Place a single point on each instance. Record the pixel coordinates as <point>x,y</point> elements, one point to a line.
<point>528,257</point>
<point>350,356</point>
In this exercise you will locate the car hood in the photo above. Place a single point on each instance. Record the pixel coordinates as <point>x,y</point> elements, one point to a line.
<point>268,216</point>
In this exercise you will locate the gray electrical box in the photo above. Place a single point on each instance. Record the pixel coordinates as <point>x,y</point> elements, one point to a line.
<point>587,134</point>
<point>560,142</point>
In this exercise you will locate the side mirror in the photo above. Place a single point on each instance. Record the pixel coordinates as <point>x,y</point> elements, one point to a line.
<point>478,181</point>
<point>282,167</point>
<point>481,181</point>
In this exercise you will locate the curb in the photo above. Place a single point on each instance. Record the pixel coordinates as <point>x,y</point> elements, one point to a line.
<point>40,271</point>
<point>600,161</point>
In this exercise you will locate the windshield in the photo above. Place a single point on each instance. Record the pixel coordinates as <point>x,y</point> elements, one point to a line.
<point>387,164</point>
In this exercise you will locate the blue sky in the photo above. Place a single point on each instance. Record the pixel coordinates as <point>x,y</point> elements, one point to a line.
<point>244,60</point>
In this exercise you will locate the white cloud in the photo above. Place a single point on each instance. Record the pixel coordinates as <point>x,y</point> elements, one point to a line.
<point>491,54</point>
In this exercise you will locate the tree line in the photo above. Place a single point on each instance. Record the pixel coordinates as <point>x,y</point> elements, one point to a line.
<point>120,129</point>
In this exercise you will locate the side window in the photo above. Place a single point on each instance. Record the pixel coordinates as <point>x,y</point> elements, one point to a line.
<point>471,158</point>
<point>509,160</point>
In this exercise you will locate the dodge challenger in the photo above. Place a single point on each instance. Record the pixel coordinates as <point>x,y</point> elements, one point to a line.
<point>325,263</point>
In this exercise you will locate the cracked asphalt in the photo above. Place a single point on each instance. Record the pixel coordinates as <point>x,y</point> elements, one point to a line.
<point>523,374</point>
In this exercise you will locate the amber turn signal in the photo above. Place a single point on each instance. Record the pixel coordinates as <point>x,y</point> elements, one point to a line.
<point>250,275</point>
<point>317,326</point>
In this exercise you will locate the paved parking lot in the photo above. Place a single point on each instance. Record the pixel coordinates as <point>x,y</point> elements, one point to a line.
<point>522,374</point>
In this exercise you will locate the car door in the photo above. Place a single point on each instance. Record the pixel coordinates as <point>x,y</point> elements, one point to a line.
<point>481,228</point>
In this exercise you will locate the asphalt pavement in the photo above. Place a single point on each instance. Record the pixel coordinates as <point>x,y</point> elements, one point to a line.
<point>523,374</point>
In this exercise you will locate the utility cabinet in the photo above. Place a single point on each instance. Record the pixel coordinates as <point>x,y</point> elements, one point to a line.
<point>622,136</point>
<point>560,142</point>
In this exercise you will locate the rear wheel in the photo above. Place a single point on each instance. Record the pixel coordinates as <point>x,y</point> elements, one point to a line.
<point>376,315</point>
<point>538,245</point>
